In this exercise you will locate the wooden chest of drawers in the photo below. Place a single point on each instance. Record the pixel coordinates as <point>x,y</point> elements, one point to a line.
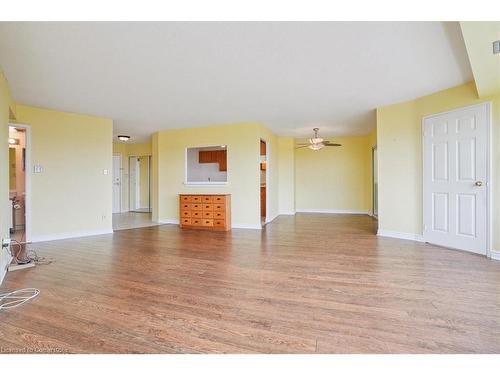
<point>211,212</point>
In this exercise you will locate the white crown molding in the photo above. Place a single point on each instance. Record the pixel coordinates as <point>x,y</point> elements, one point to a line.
<point>400,235</point>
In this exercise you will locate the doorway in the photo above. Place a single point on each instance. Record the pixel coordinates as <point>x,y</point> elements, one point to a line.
<point>456,187</point>
<point>140,183</point>
<point>117,184</point>
<point>374,183</point>
<point>19,182</point>
<point>263,182</point>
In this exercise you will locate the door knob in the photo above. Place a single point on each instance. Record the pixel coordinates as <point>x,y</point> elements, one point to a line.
<point>479,183</point>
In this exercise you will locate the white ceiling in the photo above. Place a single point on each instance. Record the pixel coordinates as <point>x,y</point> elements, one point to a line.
<point>289,76</point>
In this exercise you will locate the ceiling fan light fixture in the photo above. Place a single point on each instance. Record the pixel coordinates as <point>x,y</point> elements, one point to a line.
<point>124,138</point>
<point>316,146</point>
<point>314,141</point>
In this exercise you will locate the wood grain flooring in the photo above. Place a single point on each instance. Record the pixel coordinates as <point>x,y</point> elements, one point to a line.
<point>305,284</point>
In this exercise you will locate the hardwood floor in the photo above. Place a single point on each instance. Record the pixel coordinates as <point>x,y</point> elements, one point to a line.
<point>305,284</point>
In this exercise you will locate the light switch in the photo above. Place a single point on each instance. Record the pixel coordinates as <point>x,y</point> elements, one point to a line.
<point>496,47</point>
<point>37,168</point>
<point>104,171</point>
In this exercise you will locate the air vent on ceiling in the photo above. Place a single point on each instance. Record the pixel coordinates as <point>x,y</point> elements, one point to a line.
<point>496,47</point>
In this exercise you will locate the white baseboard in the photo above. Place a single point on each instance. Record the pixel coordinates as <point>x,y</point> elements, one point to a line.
<point>246,226</point>
<point>400,235</point>
<point>328,211</point>
<point>66,235</point>
<point>272,218</point>
<point>168,221</point>
<point>495,255</point>
<point>287,213</point>
<point>234,225</point>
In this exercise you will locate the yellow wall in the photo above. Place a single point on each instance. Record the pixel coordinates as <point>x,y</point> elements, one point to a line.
<point>12,168</point>
<point>243,161</point>
<point>126,150</point>
<point>72,196</point>
<point>399,141</point>
<point>7,111</point>
<point>286,175</point>
<point>478,38</point>
<point>334,178</point>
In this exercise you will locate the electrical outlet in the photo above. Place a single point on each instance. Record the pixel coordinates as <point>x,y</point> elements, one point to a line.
<point>5,242</point>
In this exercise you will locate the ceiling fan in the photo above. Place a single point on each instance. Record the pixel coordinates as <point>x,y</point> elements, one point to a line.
<point>316,143</point>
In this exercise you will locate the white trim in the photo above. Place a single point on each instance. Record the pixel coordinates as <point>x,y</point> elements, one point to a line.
<point>137,183</point>
<point>271,218</point>
<point>495,255</point>
<point>287,212</point>
<point>168,221</point>
<point>400,235</point>
<point>489,173</point>
<point>328,211</point>
<point>246,226</point>
<point>66,235</point>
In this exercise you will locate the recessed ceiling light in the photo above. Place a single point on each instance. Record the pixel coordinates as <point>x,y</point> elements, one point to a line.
<point>124,138</point>
<point>13,141</point>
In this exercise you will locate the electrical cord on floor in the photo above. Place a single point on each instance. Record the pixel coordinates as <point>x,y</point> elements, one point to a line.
<point>17,298</point>
<point>31,255</point>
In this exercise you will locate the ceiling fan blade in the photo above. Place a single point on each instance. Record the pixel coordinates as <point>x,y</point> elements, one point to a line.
<point>302,146</point>
<point>333,144</point>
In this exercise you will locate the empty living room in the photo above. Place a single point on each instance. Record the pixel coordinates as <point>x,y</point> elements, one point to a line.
<point>229,184</point>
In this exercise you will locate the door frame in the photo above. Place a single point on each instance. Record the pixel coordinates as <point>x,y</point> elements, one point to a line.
<point>267,219</point>
<point>489,202</point>
<point>27,179</point>
<point>121,178</point>
<point>137,183</point>
<point>374,194</point>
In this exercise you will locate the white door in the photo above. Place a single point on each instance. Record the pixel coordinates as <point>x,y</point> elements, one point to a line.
<point>456,179</point>
<point>117,183</point>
